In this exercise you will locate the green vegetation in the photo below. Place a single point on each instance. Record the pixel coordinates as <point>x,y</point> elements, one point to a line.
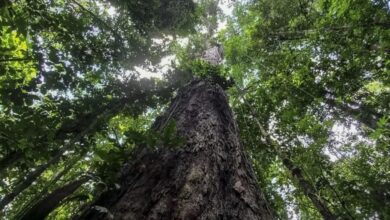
<point>308,80</point>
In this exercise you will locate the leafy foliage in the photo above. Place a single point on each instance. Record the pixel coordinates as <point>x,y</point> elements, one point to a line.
<point>311,71</point>
<point>308,81</point>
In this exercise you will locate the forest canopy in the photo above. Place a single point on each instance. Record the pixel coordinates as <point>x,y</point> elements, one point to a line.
<point>82,81</point>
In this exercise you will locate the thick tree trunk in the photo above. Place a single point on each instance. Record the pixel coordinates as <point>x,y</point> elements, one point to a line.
<point>209,177</point>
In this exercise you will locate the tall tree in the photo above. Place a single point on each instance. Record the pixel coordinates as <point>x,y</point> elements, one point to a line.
<point>308,81</point>
<point>208,176</point>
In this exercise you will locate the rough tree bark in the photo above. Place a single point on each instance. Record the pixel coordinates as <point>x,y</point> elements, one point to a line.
<point>210,177</point>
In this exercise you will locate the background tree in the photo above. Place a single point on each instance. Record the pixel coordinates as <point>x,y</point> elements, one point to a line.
<point>310,71</point>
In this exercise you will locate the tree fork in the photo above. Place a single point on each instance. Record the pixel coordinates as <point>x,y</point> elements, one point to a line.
<point>209,177</point>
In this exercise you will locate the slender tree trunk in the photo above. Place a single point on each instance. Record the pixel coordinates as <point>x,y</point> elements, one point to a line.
<point>309,190</point>
<point>362,114</point>
<point>209,177</point>
<point>43,208</point>
<point>43,192</point>
<point>9,159</point>
<point>295,171</point>
<point>28,180</point>
<point>34,175</point>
